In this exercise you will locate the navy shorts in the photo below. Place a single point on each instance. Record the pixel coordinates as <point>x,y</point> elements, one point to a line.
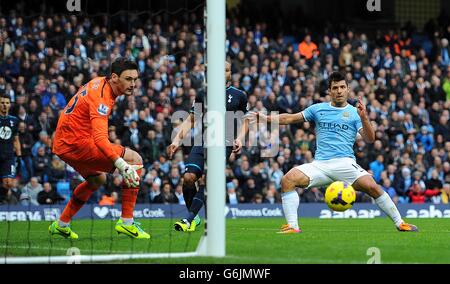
<point>195,163</point>
<point>8,167</point>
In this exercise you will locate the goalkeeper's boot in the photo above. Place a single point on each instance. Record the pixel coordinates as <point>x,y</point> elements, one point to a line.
<point>287,229</point>
<point>133,231</point>
<point>185,226</point>
<point>66,232</point>
<point>405,227</point>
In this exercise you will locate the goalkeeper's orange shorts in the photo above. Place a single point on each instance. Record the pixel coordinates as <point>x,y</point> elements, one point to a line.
<point>88,160</point>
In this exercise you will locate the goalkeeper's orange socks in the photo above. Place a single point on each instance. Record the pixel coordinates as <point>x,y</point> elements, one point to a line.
<point>81,194</point>
<point>129,196</point>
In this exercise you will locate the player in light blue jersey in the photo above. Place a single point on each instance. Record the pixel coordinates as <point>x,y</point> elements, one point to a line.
<point>337,125</point>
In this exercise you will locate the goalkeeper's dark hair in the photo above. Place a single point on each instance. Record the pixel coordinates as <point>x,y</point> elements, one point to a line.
<point>121,64</point>
<point>336,77</point>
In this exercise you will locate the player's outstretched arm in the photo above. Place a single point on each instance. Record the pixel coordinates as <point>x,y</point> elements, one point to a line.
<point>284,118</point>
<point>237,145</point>
<point>367,131</point>
<point>185,127</point>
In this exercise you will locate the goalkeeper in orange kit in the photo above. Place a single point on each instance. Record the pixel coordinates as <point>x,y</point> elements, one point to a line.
<point>81,140</point>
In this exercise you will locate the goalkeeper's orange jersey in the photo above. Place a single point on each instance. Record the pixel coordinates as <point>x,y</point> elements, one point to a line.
<point>86,118</point>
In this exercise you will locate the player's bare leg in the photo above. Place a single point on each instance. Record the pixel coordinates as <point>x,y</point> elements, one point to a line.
<point>290,199</point>
<point>126,224</point>
<point>368,185</point>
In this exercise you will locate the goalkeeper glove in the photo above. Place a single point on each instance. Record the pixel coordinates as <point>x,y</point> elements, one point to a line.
<point>128,172</point>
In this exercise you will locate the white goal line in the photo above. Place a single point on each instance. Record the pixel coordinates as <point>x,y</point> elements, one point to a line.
<point>92,258</point>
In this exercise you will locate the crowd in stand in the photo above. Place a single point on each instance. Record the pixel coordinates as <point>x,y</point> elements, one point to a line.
<point>402,75</point>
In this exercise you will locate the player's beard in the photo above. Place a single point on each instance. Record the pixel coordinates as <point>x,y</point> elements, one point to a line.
<point>340,101</point>
<point>339,104</point>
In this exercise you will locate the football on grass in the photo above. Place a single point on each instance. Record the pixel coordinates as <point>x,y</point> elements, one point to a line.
<point>340,196</point>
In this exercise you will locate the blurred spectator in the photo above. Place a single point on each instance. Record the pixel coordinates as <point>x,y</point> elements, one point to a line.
<point>48,195</point>
<point>307,48</point>
<point>174,177</point>
<point>150,148</point>
<point>179,194</point>
<point>109,200</point>
<point>57,170</point>
<point>377,167</point>
<point>41,165</point>
<point>30,192</point>
<point>425,139</point>
<point>26,141</point>
<point>232,197</point>
<point>257,199</point>
<point>275,175</point>
<point>9,69</point>
<point>249,190</point>
<point>346,58</point>
<point>10,196</point>
<point>53,94</point>
<point>312,194</point>
<point>444,53</point>
<point>438,167</point>
<point>445,194</point>
<point>44,141</point>
<point>434,187</point>
<point>272,195</point>
<point>166,196</point>
<point>132,137</point>
<point>417,193</point>
<point>404,182</point>
<point>114,184</point>
<point>155,191</point>
<point>287,102</point>
<point>434,182</point>
<point>390,190</point>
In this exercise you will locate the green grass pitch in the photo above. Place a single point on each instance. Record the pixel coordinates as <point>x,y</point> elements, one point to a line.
<point>249,241</point>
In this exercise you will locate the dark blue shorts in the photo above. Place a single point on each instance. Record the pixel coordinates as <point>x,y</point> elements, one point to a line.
<point>8,167</point>
<point>195,163</point>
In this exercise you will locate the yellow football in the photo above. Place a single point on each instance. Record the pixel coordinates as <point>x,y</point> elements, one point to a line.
<point>340,196</point>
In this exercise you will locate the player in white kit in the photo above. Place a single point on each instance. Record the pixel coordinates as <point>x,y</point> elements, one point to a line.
<point>337,124</point>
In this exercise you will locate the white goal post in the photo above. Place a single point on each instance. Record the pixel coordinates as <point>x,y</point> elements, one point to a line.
<point>215,178</point>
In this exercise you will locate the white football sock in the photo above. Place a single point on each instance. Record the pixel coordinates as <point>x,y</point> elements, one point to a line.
<point>290,202</point>
<point>127,221</point>
<point>63,224</point>
<point>387,205</point>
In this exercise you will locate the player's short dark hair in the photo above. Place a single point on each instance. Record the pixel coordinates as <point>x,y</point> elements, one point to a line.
<point>336,77</point>
<point>4,96</point>
<point>121,64</point>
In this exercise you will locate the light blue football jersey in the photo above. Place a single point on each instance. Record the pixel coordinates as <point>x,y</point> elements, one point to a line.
<point>336,129</point>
